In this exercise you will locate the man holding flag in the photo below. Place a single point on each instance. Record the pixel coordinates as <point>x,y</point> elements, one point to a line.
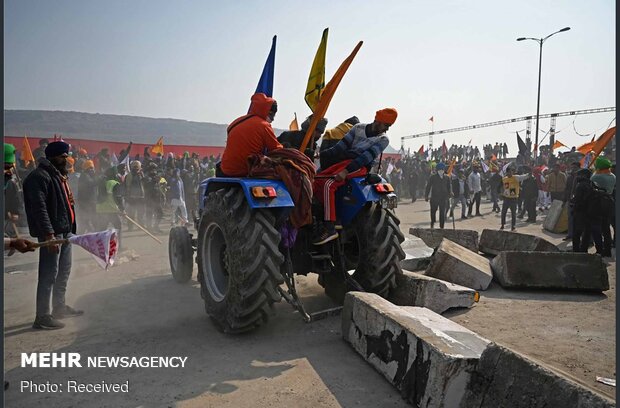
<point>50,213</point>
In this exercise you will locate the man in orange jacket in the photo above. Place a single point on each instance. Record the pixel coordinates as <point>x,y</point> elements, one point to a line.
<point>247,135</point>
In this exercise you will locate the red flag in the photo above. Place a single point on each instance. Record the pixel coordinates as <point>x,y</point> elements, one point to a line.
<point>431,119</point>
<point>421,150</point>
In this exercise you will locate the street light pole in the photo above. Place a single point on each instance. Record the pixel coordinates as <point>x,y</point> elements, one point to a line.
<point>540,41</point>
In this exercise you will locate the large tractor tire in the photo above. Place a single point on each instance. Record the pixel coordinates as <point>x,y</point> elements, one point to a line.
<point>238,262</point>
<point>372,249</point>
<point>180,254</point>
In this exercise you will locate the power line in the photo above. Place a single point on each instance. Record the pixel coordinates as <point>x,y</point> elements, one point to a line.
<point>501,122</point>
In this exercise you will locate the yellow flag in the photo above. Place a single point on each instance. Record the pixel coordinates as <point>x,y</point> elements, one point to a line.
<point>330,89</point>
<point>27,156</point>
<point>158,147</point>
<point>316,80</point>
<point>294,125</point>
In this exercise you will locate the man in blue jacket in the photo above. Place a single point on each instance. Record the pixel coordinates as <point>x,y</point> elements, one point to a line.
<point>51,215</point>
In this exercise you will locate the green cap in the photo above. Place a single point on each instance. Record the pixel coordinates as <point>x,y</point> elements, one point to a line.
<point>600,163</point>
<point>9,153</point>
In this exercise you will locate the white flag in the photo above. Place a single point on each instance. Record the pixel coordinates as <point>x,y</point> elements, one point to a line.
<point>102,245</point>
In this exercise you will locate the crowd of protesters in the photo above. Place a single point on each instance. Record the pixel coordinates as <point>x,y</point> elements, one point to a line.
<point>144,186</point>
<point>106,186</point>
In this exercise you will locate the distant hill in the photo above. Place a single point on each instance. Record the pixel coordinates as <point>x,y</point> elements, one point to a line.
<point>116,128</point>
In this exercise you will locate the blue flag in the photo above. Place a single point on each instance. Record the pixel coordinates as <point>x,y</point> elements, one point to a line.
<point>265,83</point>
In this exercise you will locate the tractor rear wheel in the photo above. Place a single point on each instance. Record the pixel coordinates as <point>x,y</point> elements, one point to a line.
<point>372,250</point>
<point>238,262</point>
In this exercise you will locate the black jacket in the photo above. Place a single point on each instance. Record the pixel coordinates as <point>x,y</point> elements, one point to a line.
<point>529,189</point>
<point>440,187</point>
<point>294,138</point>
<point>47,208</point>
<point>495,182</point>
<point>456,187</point>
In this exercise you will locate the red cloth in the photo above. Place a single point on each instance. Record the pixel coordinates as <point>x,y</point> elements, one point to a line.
<point>325,188</point>
<point>297,172</point>
<point>248,135</point>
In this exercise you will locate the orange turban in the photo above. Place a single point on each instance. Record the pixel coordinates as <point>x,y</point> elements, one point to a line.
<point>387,115</point>
<point>88,164</point>
<point>83,152</point>
<point>71,160</point>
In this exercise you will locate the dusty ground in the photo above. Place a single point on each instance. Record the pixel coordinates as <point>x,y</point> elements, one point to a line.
<point>136,309</point>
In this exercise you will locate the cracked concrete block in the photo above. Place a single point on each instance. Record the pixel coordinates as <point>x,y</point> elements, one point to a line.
<point>433,237</point>
<point>417,255</point>
<point>550,270</point>
<point>427,357</point>
<point>414,289</point>
<point>557,218</point>
<point>454,263</point>
<point>493,242</point>
<point>504,378</point>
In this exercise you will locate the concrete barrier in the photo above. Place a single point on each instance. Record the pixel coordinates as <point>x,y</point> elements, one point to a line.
<point>417,255</point>
<point>557,218</point>
<point>414,289</point>
<point>433,237</point>
<point>550,270</point>
<point>493,242</point>
<point>427,357</point>
<point>454,263</point>
<point>504,378</point>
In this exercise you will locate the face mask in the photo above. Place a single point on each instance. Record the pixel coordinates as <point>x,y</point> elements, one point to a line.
<point>440,172</point>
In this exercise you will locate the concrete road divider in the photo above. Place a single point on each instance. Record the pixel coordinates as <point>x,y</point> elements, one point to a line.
<point>414,289</point>
<point>417,255</point>
<point>454,263</point>
<point>557,218</point>
<point>550,270</point>
<point>427,357</point>
<point>493,242</point>
<point>505,378</point>
<point>433,237</point>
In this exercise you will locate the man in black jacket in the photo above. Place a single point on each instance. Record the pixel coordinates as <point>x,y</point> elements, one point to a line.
<point>51,215</point>
<point>529,192</point>
<point>438,186</point>
<point>571,182</point>
<point>460,192</point>
<point>584,218</point>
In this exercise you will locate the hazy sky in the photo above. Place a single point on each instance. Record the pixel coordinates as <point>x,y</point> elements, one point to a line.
<point>458,61</point>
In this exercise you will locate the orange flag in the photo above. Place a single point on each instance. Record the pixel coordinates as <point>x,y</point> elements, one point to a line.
<point>600,143</point>
<point>327,95</point>
<point>557,145</point>
<point>294,125</point>
<point>586,147</point>
<point>27,156</point>
<point>158,147</point>
<point>451,167</point>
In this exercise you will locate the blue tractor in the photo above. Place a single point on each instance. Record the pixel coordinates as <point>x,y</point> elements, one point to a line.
<point>245,265</point>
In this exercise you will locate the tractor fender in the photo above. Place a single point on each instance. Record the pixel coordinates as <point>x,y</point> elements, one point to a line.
<point>353,196</point>
<point>283,199</point>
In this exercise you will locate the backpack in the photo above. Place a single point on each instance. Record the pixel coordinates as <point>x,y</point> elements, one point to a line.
<point>601,203</point>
